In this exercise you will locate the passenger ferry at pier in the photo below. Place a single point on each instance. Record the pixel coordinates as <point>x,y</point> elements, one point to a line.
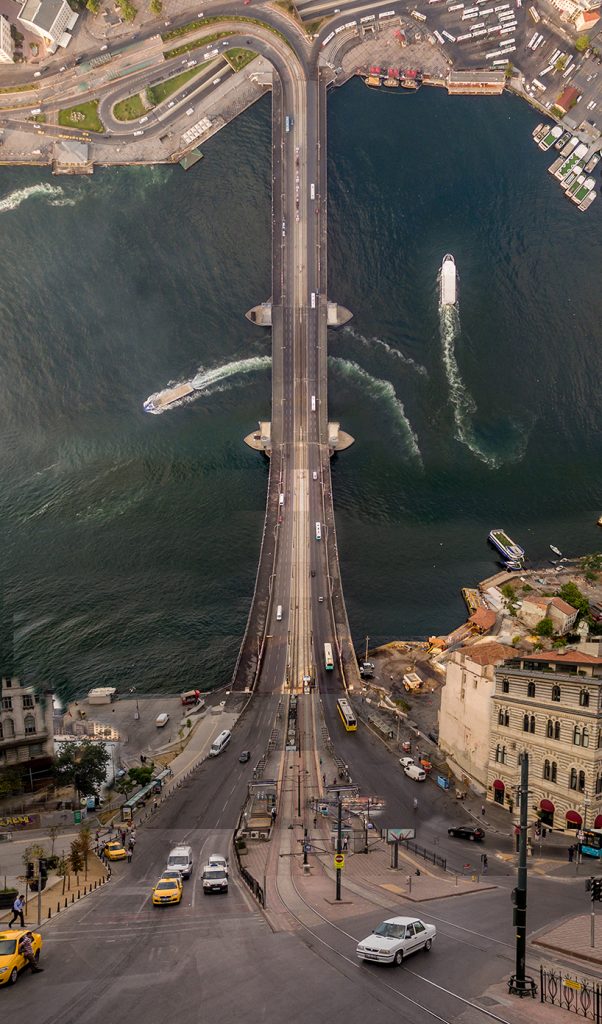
<point>549,139</point>
<point>508,549</point>
<point>447,288</point>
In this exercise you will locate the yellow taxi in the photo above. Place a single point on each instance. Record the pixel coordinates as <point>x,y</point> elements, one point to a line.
<point>167,890</point>
<point>11,960</point>
<point>114,851</point>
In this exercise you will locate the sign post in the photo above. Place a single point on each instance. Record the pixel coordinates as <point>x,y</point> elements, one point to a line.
<point>339,859</point>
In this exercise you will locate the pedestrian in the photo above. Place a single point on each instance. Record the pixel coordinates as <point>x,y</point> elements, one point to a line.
<point>324,779</point>
<point>18,907</point>
<point>122,836</point>
<point>483,810</point>
<point>315,821</point>
<point>155,804</point>
<point>334,781</point>
<point>130,853</point>
<point>571,853</point>
<point>485,863</point>
<point>345,842</point>
<point>26,951</point>
<point>273,814</point>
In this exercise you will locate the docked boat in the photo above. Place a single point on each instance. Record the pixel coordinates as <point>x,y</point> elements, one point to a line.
<point>448,290</point>
<point>555,550</point>
<point>537,129</point>
<point>570,146</point>
<point>508,549</point>
<point>540,131</point>
<point>592,162</point>
<point>163,399</point>
<point>549,139</point>
<point>562,141</point>
<point>587,202</point>
<point>584,189</point>
<point>599,521</point>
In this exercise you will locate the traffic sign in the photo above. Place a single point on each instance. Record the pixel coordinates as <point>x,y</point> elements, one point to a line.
<point>307,847</point>
<point>339,860</point>
<point>580,836</point>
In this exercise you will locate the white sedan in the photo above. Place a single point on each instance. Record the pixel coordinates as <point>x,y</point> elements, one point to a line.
<point>405,761</point>
<point>395,939</point>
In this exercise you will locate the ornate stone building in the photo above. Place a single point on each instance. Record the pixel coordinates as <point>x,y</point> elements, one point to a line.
<point>26,733</point>
<point>550,705</point>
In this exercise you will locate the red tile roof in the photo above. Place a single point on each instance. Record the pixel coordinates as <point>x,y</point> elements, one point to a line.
<point>566,657</point>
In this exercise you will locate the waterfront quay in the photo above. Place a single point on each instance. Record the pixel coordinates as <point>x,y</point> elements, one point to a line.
<point>160,98</point>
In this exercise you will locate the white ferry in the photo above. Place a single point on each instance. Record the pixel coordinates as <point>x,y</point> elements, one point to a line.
<point>447,295</point>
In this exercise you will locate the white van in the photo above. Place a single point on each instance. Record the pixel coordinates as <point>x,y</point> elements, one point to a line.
<point>162,720</point>
<point>312,191</point>
<point>313,403</point>
<point>279,613</point>
<point>415,772</point>
<point>220,743</point>
<point>180,858</point>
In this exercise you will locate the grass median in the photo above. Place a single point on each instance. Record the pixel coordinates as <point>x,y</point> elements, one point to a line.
<point>238,58</point>
<point>130,109</point>
<point>84,116</point>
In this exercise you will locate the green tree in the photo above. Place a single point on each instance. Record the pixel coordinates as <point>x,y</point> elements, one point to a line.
<point>85,847</point>
<point>82,765</point>
<point>581,43</point>
<point>561,63</point>
<point>508,592</point>
<point>156,6</point>
<point>124,786</point>
<point>62,870</point>
<point>76,858</point>
<point>545,627</point>
<point>570,593</point>
<point>141,774</point>
<point>11,781</point>
<point>128,11</point>
<point>93,6</point>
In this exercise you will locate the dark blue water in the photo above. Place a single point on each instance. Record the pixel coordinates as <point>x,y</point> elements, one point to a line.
<point>130,541</point>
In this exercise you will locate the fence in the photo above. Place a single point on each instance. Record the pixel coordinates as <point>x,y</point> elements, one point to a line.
<point>433,858</point>
<point>247,877</point>
<point>582,996</point>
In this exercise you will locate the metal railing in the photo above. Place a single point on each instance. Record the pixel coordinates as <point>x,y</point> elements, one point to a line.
<point>247,877</point>
<point>429,855</point>
<point>582,996</point>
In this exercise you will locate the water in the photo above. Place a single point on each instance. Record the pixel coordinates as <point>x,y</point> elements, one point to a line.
<point>130,542</point>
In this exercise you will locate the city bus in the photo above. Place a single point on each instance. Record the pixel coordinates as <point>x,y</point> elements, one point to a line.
<point>591,844</point>
<point>328,662</point>
<point>347,717</point>
<point>318,531</point>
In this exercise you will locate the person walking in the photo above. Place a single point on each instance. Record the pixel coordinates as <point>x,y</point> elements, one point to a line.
<point>18,908</point>
<point>26,951</point>
<point>571,852</point>
<point>483,810</point>
<point>130,853</point>
<point>485,863</point>
<point>122,836</point>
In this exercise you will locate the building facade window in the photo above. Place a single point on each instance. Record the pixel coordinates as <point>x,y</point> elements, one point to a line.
<point>546,769</point>
<point>505,686</point>
<point>556,692</point>
<point>503,717</point>
<point>28,700</point>
<point>550,729</point>
<point>584,698</point>
<point>532,723</point>
<point>577,736</point>
<point>530,688</point>
<point>554,772</point>
<point>584,737</point>
<point>9,728</point>
<point>556,730</point>
<point>30,724</point>
<point>7,703</point>
<point>581,782</point>
<point>599,784</point>
<point>525,723</point>
<point>500,754</point>
<point>573,779</point>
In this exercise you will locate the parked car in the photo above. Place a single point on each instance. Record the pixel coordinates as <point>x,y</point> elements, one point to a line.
<point>244,756</point>
<point>395,939</point>
<point>12,960</point>
<point>414,772</point>
<point>405,762</point>
<point>472,832</point>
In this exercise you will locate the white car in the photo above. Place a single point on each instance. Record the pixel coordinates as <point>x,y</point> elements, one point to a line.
<point>405,762</point>
<point>395,939</point>
<point>415,772</point>
<point>217,861</point>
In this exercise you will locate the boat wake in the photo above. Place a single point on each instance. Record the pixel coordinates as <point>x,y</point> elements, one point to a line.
<point>383,392</point>
<point>394,352</point>
<point>53,193</point>
<point>210,382</point>
<point>464,406</point>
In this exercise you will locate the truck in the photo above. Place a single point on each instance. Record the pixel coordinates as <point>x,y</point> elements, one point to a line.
<point>412,682</point>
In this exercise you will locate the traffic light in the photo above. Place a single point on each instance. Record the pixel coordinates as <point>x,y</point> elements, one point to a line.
<point>43,867</point>
<point>30,873</point>
<point>596,889</point>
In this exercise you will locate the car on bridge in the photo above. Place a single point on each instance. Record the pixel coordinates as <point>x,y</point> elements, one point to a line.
<point>167,890</point>
<point>395,939</point>
<point>12,961</point>
<point>472,832</point>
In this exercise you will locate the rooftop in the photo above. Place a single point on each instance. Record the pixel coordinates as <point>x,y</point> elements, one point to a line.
<point>490,653</point>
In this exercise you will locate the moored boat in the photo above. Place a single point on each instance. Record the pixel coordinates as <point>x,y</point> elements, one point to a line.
<point>508,548</point>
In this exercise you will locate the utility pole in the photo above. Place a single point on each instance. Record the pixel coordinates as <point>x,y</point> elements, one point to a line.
<point>339,842</point>
<point>366,657</point>
<point>520,984</point>
<point>298,792</point>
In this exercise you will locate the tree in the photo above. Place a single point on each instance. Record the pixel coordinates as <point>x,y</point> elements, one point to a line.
<point>570,593</point>
<point>128,11</point>
<point>11,781</point>
<point>82,765</point>
<point>93,6</point>
<point>561,63</point>
<point>581,43</point>
<point>141,775</point>
<point>591,565</point>
<point>85,848</point>
<point>124,786</point>
<point>53,832</point>
<point>156,6</point>
<point>545,627</point>
<point>62,870</point>
<point>76,858</point>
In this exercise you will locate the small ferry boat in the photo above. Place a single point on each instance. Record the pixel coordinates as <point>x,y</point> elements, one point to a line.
<point>447,288</point>
<point>570,146</point>
<point>540,131</point>
<point>555,550</point>
<point>593,162</point>
<point>162,399</point>
<point>507,548</point>
<point>536,130</point>
<point>549,139</point>
<point>562,141</point>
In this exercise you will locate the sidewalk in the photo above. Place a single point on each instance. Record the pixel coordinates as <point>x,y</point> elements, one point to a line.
<point>573,939</point>
<point>54,901</point>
